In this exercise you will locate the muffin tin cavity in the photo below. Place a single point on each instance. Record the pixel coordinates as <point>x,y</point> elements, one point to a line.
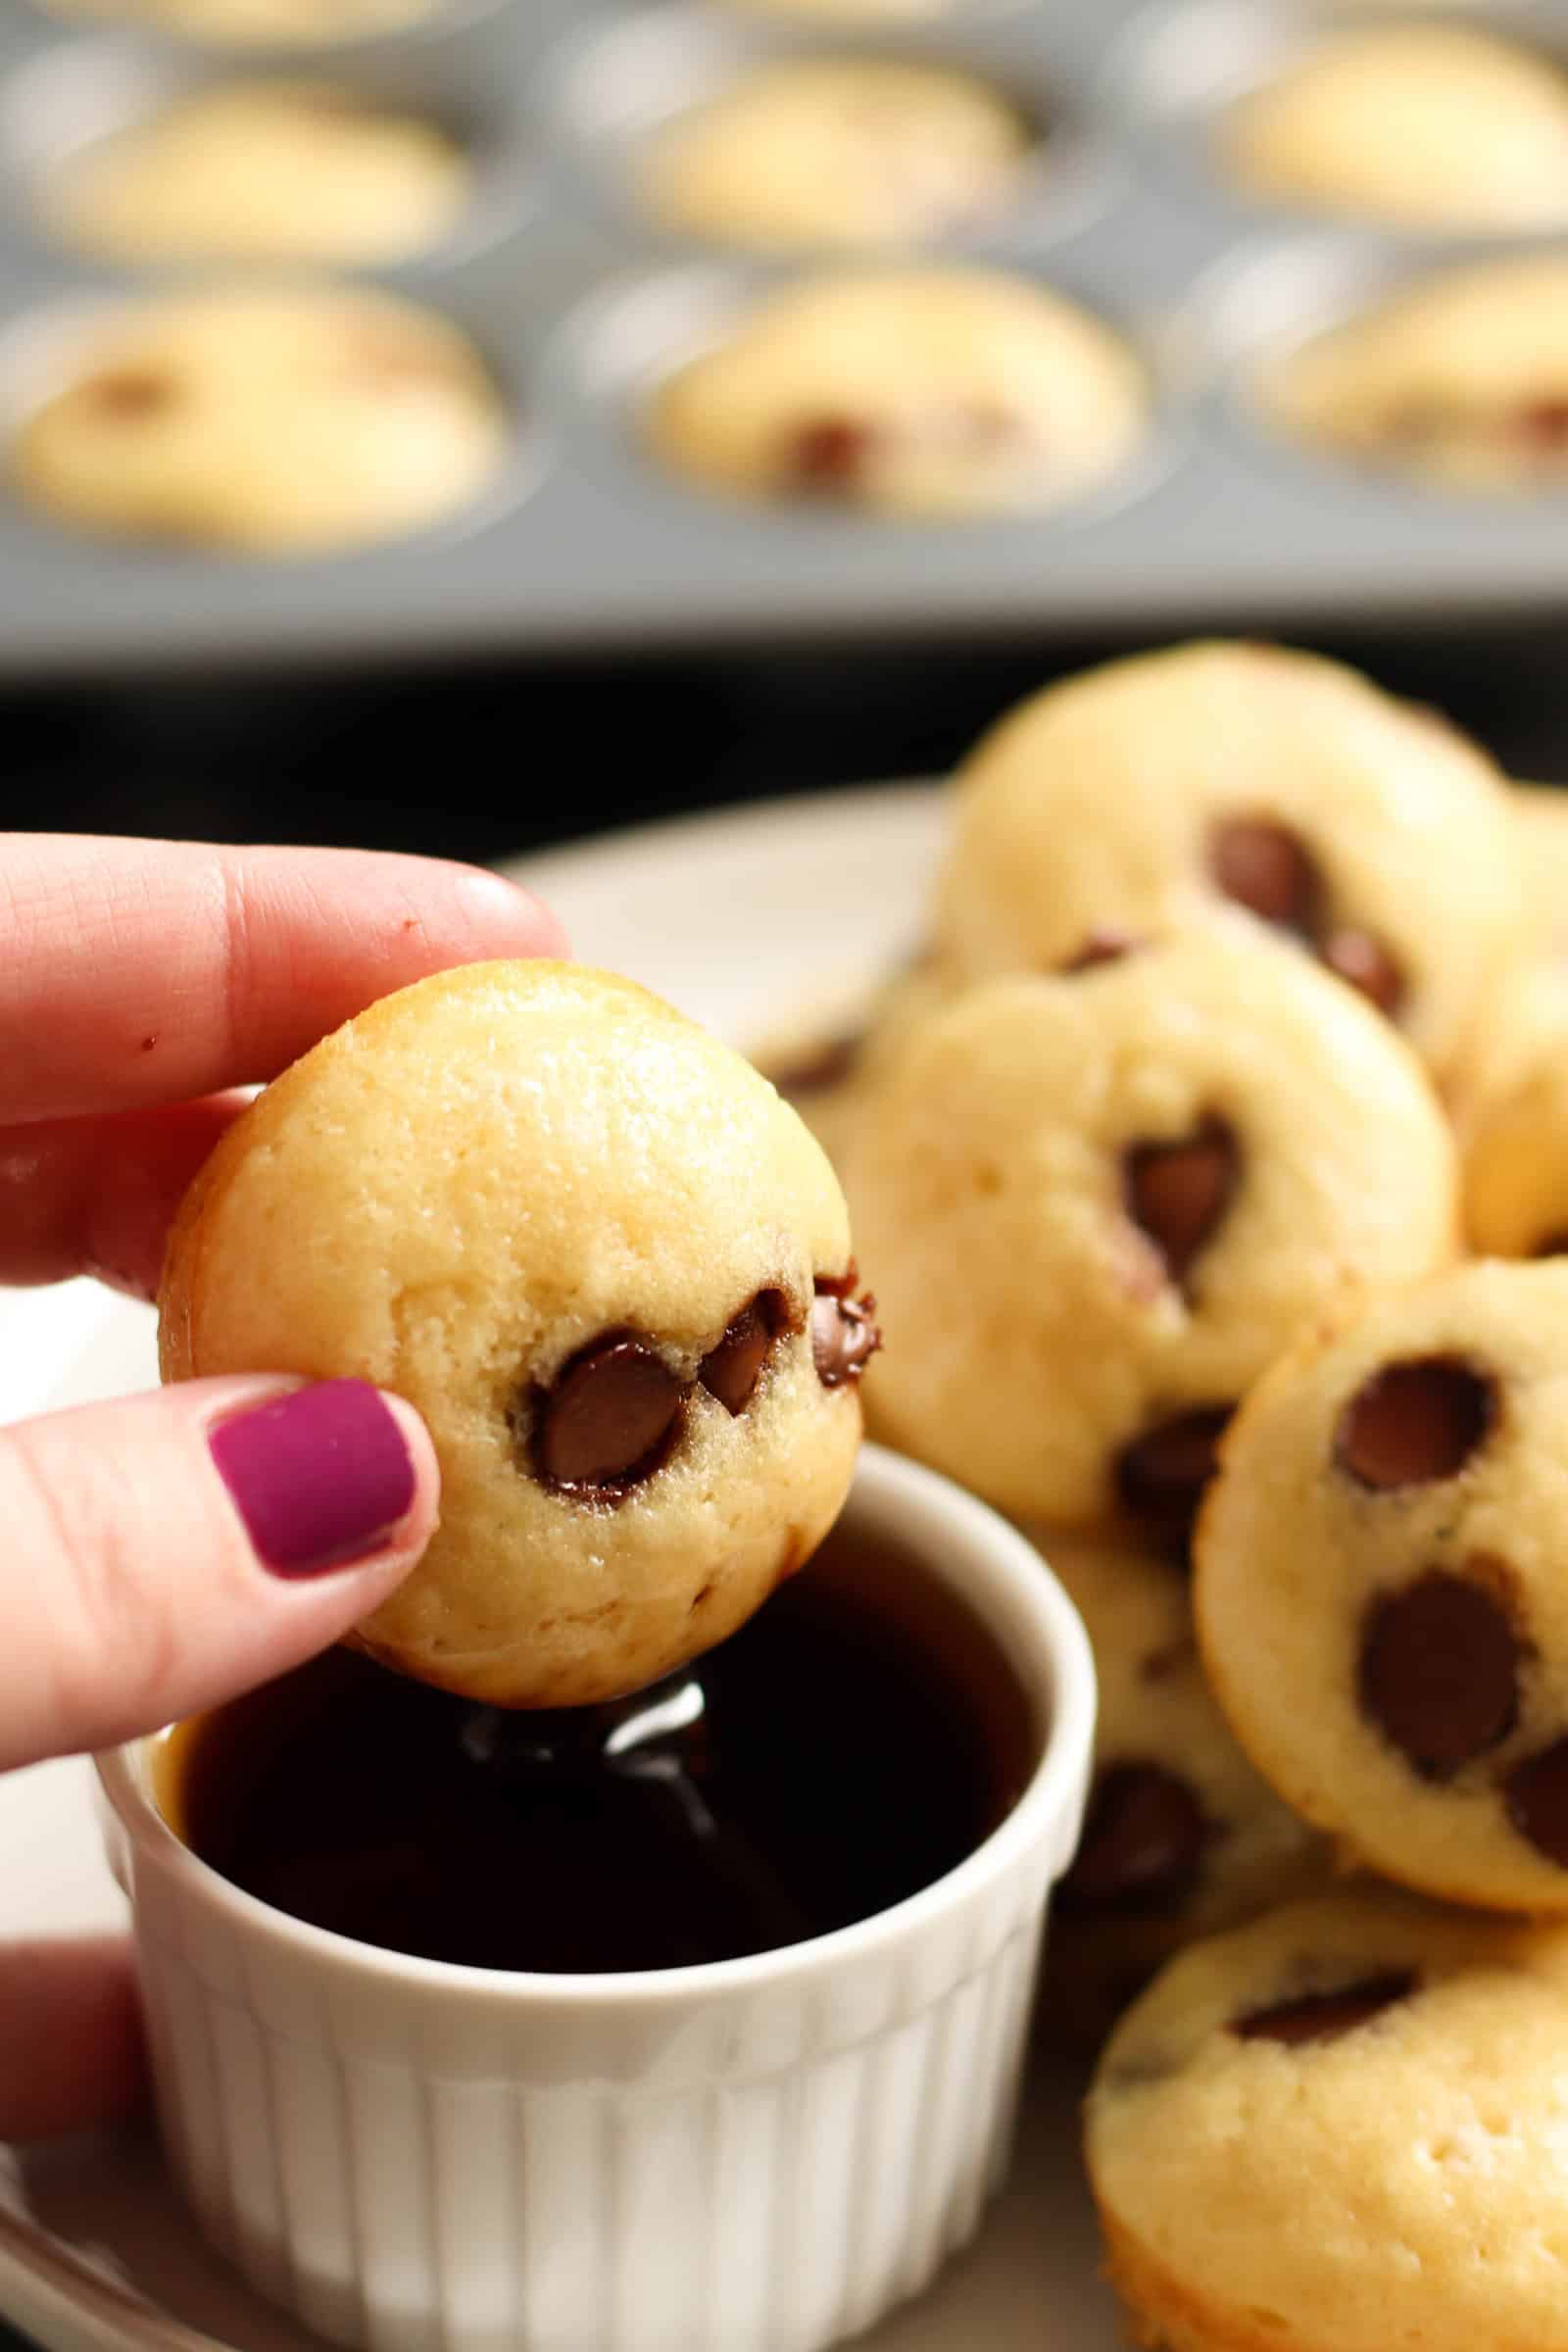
<point>1423,123</point>
<point>258,27</point>
<point>1462,400</point>
<point>435,176</point>
<point>78,344</point>
<point>616,362</point>
<point>630,103</point>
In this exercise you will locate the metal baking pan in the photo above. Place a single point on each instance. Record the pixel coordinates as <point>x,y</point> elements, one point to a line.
<point>580,305</point>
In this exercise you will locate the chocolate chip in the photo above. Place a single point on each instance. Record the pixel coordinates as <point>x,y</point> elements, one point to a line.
<point>1143,1841</point>
<point>127,393</point>
<point>1098,947</point>
<point>1264,866</point>
<point>731,1370</point>
<point>1543,426</point>
<point>1161,1476</point>
<point>1536,1793</point>
<point>1325,2016</point>
<point>844,1336</point>
<point>1366,963</point>
<point>1178,1192</point>
<point>1440,1669</point>
<point>1171,1658</point>
<point>1553,1245</point>
<point>829,452</point>
<point>1414,1422</point>
<point>610,1419</point>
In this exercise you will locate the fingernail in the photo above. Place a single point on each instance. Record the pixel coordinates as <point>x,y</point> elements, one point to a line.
<point>319,1477</point>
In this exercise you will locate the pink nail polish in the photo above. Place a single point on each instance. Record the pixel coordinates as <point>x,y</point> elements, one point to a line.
<point>319,1477</point>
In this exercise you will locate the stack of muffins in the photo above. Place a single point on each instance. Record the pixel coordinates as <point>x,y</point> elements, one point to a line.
<point>1188,1162</point>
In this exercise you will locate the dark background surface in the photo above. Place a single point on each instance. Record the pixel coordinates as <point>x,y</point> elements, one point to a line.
<point>486,762</point>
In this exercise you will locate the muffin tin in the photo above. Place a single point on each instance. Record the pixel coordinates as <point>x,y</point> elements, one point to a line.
<point>580,305</point>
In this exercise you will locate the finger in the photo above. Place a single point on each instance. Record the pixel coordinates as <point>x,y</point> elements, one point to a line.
<point>98,1195</point>
<point>135,972</point>
<point>71,2041</point>
<point>164,1551</point>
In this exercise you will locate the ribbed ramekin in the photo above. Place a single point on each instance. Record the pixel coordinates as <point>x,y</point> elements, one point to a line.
<point>761,2155</point>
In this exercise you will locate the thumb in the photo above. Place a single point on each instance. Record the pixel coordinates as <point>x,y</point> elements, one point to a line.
<point>166,1551</point>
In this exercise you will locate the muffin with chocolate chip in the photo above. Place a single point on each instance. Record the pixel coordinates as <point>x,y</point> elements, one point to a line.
<point>1182,1837</point>
<point>923,392</point>
<point>277,421</point>
<point>1099,1200</point>
<point>262,171</point>
<point>610,1269</point>
<point>1384,1542</point>
<point>1458,379</point>
<point>851,151</point>
<point>1365,829</point>
<point>1340,2130</point>
<point>1430,125</point>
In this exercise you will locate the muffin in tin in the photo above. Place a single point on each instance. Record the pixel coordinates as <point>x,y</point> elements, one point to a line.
<point>274,419</point>
<point>1458,379</point>
<point>922,392</point>
<point>256,24</point>
<point>262,171</point>
<point>836,151</point>
<point>1420,126</point>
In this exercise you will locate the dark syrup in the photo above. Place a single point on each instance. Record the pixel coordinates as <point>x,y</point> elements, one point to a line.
<point>850,1744</point>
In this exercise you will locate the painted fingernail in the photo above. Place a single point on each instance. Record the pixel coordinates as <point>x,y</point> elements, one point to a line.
<point>319,1477</point>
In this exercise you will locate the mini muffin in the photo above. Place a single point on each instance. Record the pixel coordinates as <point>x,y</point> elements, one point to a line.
<point>1460,379</point>
<point>610,1269</point>
<point>1540,817</point>
<point>1426,125</point>
<point>256,24</point>
<point>1182,1837</point>
<point>1100,1200</point>
<point>919,393</point>
<point>1136,794</point>
<point>836,151</point>
<point>277,421</point>
<point>1340,2129</point>
<point>1523,1018</point>
<point>262,170</point>
<point>1515,1139</point>
<point>1384,1542</point>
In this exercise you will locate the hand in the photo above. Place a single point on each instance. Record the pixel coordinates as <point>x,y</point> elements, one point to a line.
<point>162,1553</point>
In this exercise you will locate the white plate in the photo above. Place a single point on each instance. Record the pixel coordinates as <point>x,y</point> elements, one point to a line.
<point>738,918</point>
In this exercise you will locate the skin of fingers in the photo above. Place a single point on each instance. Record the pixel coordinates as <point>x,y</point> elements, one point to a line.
<point>98,1195</point>
<point>132,1592</point>
<point>133,977</point>
<point>141,972</point>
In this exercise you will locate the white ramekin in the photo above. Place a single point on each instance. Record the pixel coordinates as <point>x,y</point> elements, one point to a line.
<point>761,2155</point>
